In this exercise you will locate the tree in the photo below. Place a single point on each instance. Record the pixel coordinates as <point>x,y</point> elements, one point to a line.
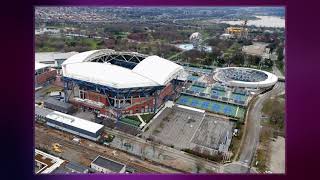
<point>280,53</point>
<point>237,59</point>
<point>254,60</point>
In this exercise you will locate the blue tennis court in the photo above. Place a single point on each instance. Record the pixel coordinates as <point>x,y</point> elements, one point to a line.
<point>218,93</point>
<point>239,97</point>
<point>212,106</point>
<point>205,105</point>
<point>193,78</point>
<point>197,89</point>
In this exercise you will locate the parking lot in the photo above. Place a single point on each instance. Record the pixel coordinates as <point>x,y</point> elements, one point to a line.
<point>213,133</point>
<point>187,129</point>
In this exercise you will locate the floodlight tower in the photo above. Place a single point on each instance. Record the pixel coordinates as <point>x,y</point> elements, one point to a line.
<point>244,33</point>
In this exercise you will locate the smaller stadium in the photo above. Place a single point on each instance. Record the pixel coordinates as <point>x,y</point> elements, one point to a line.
<point>245,77</point>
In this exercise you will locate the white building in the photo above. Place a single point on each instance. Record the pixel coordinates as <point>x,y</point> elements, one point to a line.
<point>74,125</point>
<point>46,163</point>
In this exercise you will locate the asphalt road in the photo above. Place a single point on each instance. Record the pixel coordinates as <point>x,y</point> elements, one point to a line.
<point>276,71</point>
<point>253,131</point>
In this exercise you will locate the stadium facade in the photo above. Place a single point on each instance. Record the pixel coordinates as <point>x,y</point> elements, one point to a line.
<point>43,74</point>
<point>119,83</point>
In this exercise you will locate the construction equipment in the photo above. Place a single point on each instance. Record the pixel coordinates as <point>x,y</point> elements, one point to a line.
<point>57,147</point>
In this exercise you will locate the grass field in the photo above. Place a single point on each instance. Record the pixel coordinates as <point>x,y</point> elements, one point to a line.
<point>131,120</point>
<point>147,117</point>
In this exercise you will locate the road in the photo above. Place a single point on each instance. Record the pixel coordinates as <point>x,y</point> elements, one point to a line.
<point>276,71</point>
<point>86,151</point>
<point>253,131</point>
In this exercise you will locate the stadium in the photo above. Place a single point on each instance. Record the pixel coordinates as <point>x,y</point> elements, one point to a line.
<point>115,83</point>
<point>245,77</point>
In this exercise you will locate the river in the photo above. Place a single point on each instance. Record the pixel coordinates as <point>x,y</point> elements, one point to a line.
<point>263,21</point>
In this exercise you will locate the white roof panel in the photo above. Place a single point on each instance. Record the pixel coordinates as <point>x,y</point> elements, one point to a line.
<point>107,74</point>
<point>40,65</point>
<point>158,69</point>
<point>152,71</point>
<point>75,121</point>
<point>80,57</point>
<point>52,56</point>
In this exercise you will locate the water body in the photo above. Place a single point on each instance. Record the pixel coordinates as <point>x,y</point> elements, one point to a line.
<point>189,46</point>
<point>263,21</point>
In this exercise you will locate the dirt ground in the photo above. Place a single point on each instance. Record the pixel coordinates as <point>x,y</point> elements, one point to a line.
<point>277,161</point>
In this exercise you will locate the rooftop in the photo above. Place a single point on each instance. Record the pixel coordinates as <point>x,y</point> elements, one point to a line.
<point>42,111</point>
<point>58,103</point>
<point>108,164</point>
<point>107,74</point>
<point>151,71</point>
<point>52,56</point>
<point>76,167</point>
<point>48,161</point>
<point>158,69</point>
<point>38,66</point>
<point>75,121</point>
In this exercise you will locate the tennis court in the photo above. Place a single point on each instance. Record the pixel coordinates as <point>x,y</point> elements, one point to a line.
<point>239,97</point>
<point>218,93</point>
<point>197,89</point>
<point>193,78</point>
<point>212,106</point>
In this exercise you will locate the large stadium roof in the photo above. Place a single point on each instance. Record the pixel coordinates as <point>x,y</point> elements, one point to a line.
<point>107,74</point>
<point>52,56</point>
<point>40,65</point>
<point>158,69</point>
<point>151,71</point>
<point>80,57</point>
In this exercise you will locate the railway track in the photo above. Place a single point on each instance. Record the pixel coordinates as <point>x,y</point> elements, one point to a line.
<point>43,137</point>
<point>172,152</point>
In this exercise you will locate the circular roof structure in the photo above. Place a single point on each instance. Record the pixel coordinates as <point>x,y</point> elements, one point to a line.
<point>195,35</point>
<point>245,77</point>
<point>120,70</point>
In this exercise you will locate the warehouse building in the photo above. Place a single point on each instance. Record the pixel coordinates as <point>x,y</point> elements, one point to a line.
<point>75,125</point>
